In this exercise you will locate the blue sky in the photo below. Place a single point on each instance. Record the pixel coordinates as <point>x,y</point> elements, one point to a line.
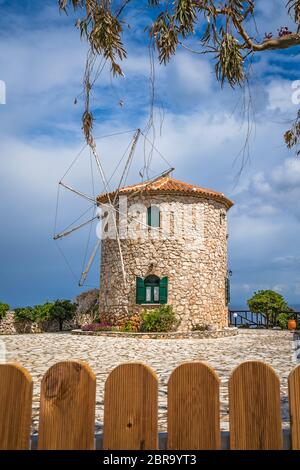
<point>42,63</point>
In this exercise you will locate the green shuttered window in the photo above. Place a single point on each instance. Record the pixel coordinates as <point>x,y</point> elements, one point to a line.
<point>163,290</point>
<point>140,291</point>
<point>153,216</point>
<point>151,290</point>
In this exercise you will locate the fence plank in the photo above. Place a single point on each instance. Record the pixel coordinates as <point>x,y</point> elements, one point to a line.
<point>254,408</point>
<point>67,409</point>
<point>130,408</point>
<point>15,407</point>
<point>193,408</point>
<point>294,404</point>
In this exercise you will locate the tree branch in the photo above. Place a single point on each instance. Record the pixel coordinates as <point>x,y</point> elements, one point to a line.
<point>284,42</point>
<point>213,50</point>
<point>122,7</point>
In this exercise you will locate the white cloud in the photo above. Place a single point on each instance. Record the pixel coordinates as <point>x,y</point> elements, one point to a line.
<point>273,192</point>
<point>287,175</point>
<point>267,21</point>
<point>192,74</point>
<point>260,185</point>
<point>280,288</point>
<point>287,261</point>
<point>280,95</point>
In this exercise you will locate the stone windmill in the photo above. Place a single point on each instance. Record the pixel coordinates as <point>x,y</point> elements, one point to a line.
<point>173,238</point>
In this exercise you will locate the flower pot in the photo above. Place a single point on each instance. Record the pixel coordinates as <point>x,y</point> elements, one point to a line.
<point>292,324</point>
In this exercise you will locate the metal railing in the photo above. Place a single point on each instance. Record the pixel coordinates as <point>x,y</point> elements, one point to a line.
<point>249,319</point>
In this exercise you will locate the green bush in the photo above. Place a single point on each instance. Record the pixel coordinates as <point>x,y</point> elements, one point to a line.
<point>38,313</point>
<point>43,312</point>
<point>283,318</point>
<point>161,319</point>
<point>59,310</point>
<point>271,304</point>
<point>128,327</point>
<point>3,309</point>
<point>24,314</point>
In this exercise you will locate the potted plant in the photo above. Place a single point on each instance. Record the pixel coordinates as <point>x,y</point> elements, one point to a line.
<point>292,324</point>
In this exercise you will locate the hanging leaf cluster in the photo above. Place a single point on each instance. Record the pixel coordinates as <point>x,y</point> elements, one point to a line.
<point>229,65</point>
<point>294,11</point>
<point>104,37</point>
<point>185,16</point>
<point>87,126</point>
<point>102,29</point>
<point>292,136</point>
<point>165,35</point>
<point>63,4</point>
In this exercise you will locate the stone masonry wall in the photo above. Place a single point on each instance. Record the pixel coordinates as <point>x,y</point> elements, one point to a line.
<point>87,307</point>
<point>9,326</point>
<point>196,270</point>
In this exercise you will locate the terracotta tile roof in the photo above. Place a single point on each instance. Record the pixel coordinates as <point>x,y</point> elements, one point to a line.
<point>168,184</point>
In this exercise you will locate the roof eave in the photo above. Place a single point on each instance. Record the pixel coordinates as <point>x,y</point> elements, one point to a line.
<point>104,198</point>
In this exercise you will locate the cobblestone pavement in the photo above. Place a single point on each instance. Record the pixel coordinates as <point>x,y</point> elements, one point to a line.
<point>38,352</point>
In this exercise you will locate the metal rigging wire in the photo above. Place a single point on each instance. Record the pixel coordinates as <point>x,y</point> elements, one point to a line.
<point>111,204</point>
<point>91,226</point>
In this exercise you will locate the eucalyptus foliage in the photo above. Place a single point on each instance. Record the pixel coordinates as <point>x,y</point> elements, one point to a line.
<point>222,28</point>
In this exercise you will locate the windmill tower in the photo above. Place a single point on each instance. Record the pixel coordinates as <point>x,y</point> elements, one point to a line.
<point>171,248</point>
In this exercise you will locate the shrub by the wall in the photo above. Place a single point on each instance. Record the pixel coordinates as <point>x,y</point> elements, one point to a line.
<point>60,310</point>
<point>161,319</point>
<point>283,318</point>
<point>131,325</point>
<point>43,312</point>
<point>98,327</point>
<point>24,314</point>
<point>3,309</point>
<point>128,327</point>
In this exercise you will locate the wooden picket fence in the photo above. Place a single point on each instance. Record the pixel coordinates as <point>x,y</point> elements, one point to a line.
<point>68,398</point>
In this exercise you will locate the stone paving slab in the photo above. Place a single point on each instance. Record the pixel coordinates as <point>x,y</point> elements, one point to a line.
<point>40,351</point>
